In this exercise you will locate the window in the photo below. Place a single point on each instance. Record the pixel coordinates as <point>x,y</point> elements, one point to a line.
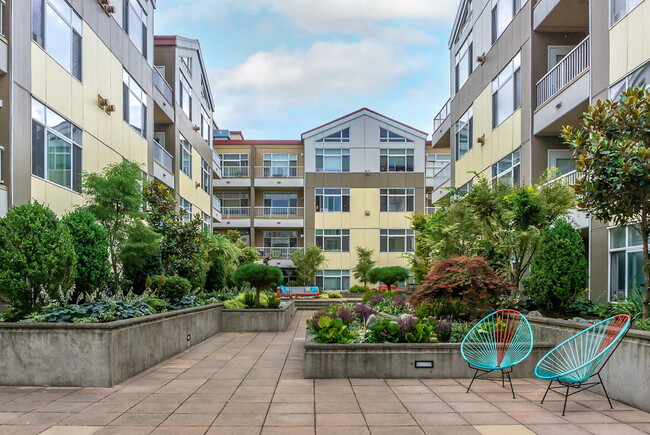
<point>502,14</point>
<point>233,199</point>
<point>508,169</point>
<point>333,279</point>
<point>206,121</point>
<point>206,175</point>
<point>234,165</point>
<point>56,148</point>
<point>3,5</point>
<point>625,262</point>
<point>57,28</point>
<point>395,200</point>
<point>280,239</point>
<point>620,8</point>
<point>134,104</point>
<point>204,90</point>
<point>187,63</point>
<point>435,162</point>
<point>639,77</point>
<point>462,190</point>
<point>185,97</point>
<point>206,223</point>
<point>389,136</point>
<point>339,136</point>
<point>396,240</point>
<point>463,63</point>
<point>562,160</point>
<point>332,200</point>
<point>280,165</point>
<point>186,157</point>
<point>280,204</point>
<point>135,24</point>
<point>506,91</point>
<point>465,19</point>
<point>185,209</point>
<point>396,160</point>
<point>333,240</point>
<point>332,160</point>
<point>463,133</point>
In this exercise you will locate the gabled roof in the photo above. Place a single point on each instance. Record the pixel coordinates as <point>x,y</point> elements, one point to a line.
<point>364,112</point>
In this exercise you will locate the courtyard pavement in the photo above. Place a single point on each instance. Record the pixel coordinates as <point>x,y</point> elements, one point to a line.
<point>251,383</point>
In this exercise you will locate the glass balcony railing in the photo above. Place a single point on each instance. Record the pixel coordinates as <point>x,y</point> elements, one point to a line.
<point>161,84</point>
<point>279,171</point>
<point>279,212</point>
<point>441,115</point>
<point>442,176</point>
<point>163,158</point>
<point>235,171</point>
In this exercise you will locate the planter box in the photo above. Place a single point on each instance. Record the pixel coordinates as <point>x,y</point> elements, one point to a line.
<point>100,354</point>
<point>258,320</point>
<point>397,360</point>
<point>626,375</point>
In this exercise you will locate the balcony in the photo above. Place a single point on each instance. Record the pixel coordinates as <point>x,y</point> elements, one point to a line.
<point>432,210</point>
<point>441,126</point>
<point>440,182</point>
<point>163,96</point>
<point>216,164</point>
<point>277,253</point>
<point>163,168</point>
<point>161,84</point>
<point>234,217</point>
<point>564,72</point>
<point>442,115</point>
<point>235,176</point>
<point>578,218</point>
<point>568,178</point>
<point>273,176</point>
<point>216,209</point>
<point>280,217</point>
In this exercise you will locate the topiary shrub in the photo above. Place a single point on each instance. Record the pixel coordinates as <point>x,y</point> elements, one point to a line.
<point>172,288</point>
<point>469,280</point>
<point>37,258</point>
<point>260,276</point>
<point>388,275</point>
<point>558,273</point>
<point>357,289</point>
<point>216,278</point>
<point>91,246</point>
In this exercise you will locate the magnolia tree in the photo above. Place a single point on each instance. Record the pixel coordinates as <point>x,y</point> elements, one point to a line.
<point>612,157</point>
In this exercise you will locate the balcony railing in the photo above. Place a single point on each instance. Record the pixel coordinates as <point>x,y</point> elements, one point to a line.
<point>441,177</point>
<point>570,67</point>
<point>279,212</point>
<point>161,156</point>
<point>277,253</point>
<point>235,212</point>
<point>442,115</point>
<point>432,210</point>
<point>279,171</point>
<point>236,171</point>
<point>3,4</point>
<point>216,158</point>
<point>216,203</point>
<point>569,178</point>
<point>161,84</point>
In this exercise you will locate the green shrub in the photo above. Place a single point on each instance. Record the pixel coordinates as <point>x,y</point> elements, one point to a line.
<point>558,271</point>
<point>388,275</point>
<point>216,278</point>
<point>334,295</point>
<point>135,274</point>
<point>156,304</point>
<point>402,330</point>
<point>324,296</point>
<point>459,330</point>
<point>102,311</point>
<point>37,258</point>
<point>172,288</point>
<point>260,276</point>
<point>187,301</point>
<point>333,331</point>
<point>91,247</point>
<point>357,289</point>
<point>469,280</point>
<point>273,301</point>
<point>234,304</point>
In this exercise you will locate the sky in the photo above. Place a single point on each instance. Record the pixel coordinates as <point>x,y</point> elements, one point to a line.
<point>278,68</point>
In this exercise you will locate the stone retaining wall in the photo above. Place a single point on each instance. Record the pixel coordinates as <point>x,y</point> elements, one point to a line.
<point>258,320</point>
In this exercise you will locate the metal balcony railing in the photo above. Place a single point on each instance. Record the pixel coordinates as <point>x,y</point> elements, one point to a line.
<point>161,84</point>
<point>236,212</point>
<point>236,171</point>
<point>569,178</point>
<point>279,171</point>
<point>442,115</point>
<point>570,67</point>
<point>432,210</point>
<point>161,156</point>
<point>441,177</point>
<point>280,212</point>
<point>277,253</point>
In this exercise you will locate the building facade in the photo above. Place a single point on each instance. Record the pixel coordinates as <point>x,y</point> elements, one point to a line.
<point>520,70</point>
<point>351,182</point>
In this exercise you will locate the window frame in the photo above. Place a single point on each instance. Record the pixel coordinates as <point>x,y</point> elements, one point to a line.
<point>206,176</point>
<point>272,235</point>
<point>320,195</point>
<point>514,170</point>
<point>499,83</point>
<point>463,55</point>
<point>242,197</point>
<point>343,276</point>
<point>342,235</point>
<point>185,92</point>
<point>629,7</point>
<point>627,249</point>
<point>206,221</point>
<point>341,136</point>
<point>131,89</point>
<point>206,122</point>
<point>408,195</point>
<point>386,234</point>
<point>386,154</point>
<point>142,17</point>
<point>185,209</point>
<point>323,154</point>
<point>465,121</point>
<point>185,151</point>
<point>389,136</point>
<point>243,164</point>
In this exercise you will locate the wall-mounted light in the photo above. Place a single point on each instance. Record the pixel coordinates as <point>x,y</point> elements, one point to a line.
<point>105,105</point>
<point>106,5</point>
<point>367,212</point>
<point>481,58</point>
<point>197,128</point>
<point>481,139</point>
<point>367,172</point>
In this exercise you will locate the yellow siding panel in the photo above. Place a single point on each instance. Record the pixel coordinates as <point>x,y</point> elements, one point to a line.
<point>629,43</point>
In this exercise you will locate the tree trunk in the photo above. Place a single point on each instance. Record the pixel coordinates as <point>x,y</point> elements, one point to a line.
<point>646,262</point>
<point>257,298</point>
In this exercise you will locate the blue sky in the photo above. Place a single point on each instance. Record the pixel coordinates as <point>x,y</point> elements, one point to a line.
<point>281,67</point>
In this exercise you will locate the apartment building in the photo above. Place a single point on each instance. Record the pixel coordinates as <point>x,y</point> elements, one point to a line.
<point>350,182</point>
<point>79,91</point>
<point>520,70</point>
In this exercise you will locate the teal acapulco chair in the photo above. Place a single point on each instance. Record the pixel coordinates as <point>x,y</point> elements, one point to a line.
<point>572,363</point>
<point>499,341</point>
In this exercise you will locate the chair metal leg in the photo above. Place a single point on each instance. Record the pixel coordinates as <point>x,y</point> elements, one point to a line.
<point>503,382</point>
<point>547,389</point>
<point>470,384</point>
<point>566,397</point>
<point>605,390</point>
<point>510,381</point>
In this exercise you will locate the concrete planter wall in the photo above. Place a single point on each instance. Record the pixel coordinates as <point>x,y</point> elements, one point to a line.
<point>258,320</point>
<point>397,360</point>
<point>99,355</point>
<point>626,375</point>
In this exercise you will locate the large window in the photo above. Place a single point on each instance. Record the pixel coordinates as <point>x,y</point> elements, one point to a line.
<point>206,221</point>
<point>503,12</point>
<point>332,200</point>
<point>396,160</point>
<point>396,240</point>
<point>332,160</point>
<point>639,77</point>
<point>234,165</point>
<point>206,122</point>
<point>206,176</point>
<point>508,169</point>
<point>620,8</point>
<point>625,262</point>
<point>185,209</point>
<point>56,148</point>
<point>280,239</point>
<point>186,156</point>
<point>463,131</point>
<point>438,161</point>
<point>333,240</point>
<point>333,279</point>
<point>280,165</point>
<point>281,204</point>
<point>135,24</point>
<point>396,200</point>
<point>506,91</point>
<point>464,63</point>
<point>134,104</point>
<point>338,137</point>
<point>58,29</point>
<point>185,97</point>
<point>388,136</point>
<point>233,200</point>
